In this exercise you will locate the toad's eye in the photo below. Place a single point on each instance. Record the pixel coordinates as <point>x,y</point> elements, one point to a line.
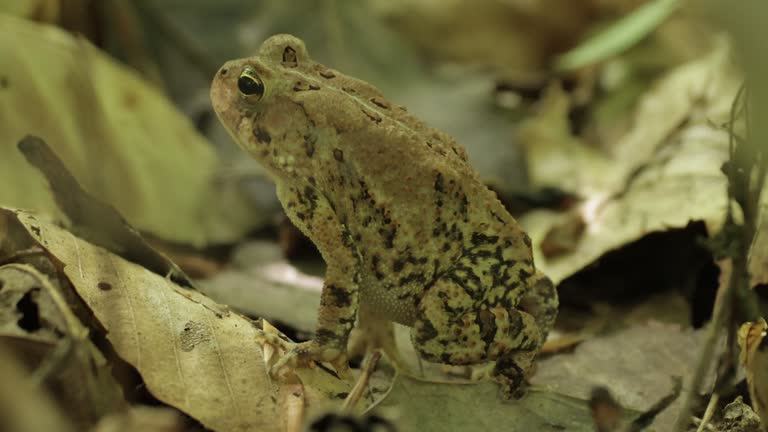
<point>250,84</point>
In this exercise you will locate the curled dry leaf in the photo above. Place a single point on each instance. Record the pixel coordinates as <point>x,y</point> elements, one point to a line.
<point>192,353</point>
<point>663,174</point>
<point>93,220</point>
<point>38,324</point>
<point>758,251</point>
<point>755,360</point>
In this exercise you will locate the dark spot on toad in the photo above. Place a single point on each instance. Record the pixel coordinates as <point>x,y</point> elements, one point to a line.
<point>327,74</point>
<point>481,239</point>
<point>339,297</point>
<point>487,323</point>
<point>309,144</point>
<point>35,229</point>
<point>324,336</point>
<point>4,83</point>
<point>338,155</point>
<point>439,187</point>
<point>380,103</point>
<point>397,266</point>
<point>104,286</point>
<point>425,332</point>
<point>524,275</point>
<point>289,58</point>
<point>262,135</point>
<point>372,116</point>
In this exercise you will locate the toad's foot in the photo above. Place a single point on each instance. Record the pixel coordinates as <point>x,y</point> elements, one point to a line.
<point>302,354</point>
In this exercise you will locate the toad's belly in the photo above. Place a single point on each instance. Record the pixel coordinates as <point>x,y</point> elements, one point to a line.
<point>400,306</point>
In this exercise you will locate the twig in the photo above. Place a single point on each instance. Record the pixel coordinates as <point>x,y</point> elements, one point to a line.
<point>746,175</point>
<point>708,413</point>
<point>369,365</point>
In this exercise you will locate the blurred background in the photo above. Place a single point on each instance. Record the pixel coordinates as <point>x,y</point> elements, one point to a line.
<point>618,132</point>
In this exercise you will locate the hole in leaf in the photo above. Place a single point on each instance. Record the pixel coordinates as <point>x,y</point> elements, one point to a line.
<point>30,311</point>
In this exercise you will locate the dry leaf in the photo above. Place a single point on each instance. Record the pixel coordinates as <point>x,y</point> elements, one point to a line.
<point>755,360</point>
<point>664,173</point>
<point>93,220</point>
<point>37,321</point>
<point>515,37</point>
<point>142,419</point>
<point>25,406</point>
<point>192,353</point>
<point>121,138</point>
<point>425,406</point>
<point>638,365</point>
<point>268,286</point>
<point>758,251</point>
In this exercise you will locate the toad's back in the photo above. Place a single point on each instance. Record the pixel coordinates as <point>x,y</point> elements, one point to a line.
<point>405,193</point>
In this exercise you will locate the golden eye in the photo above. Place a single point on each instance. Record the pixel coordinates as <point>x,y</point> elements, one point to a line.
<point>250,84</point>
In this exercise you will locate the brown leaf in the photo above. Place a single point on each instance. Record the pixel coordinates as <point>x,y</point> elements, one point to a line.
<point>121,137</point>
<point>638,365</point>
<point>192,353</point>
<point>37,322</point>
<point>663,174</point>
<point>92,219</point>
<point>755,360</point>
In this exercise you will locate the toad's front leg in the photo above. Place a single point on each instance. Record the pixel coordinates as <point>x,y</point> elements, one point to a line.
<point>339,300</point>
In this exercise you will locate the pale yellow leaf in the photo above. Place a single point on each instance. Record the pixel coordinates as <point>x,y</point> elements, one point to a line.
<point>664,173</point>
<point>119,136</point>
<point>191,354</point>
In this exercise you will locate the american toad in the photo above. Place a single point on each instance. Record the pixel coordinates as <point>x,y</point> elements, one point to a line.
<point>407,229</point>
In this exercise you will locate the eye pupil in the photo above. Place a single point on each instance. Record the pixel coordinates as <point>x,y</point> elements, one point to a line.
<point>250,86</point>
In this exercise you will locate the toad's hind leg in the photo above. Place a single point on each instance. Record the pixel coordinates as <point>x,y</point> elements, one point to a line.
<point>541,301</point>
<point>446,330</point>
<point>459,328</point>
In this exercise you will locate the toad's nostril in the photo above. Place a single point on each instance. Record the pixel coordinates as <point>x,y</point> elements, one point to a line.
<point>223,71</point>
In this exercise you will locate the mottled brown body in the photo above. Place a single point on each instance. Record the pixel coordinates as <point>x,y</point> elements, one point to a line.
<point>402,220</point>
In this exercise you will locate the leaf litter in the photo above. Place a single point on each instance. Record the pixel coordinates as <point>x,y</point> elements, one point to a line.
<point>191,353</point>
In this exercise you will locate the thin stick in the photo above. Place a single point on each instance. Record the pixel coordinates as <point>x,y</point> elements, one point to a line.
<point>709,413</point>
<point>719,315</point>
<point>369,365</point>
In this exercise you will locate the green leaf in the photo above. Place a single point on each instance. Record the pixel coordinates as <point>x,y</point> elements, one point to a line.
<point>618,36</point>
